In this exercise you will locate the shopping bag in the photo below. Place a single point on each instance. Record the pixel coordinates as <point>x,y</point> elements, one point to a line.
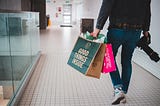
<point>109,61</point>
<point>87,57</point>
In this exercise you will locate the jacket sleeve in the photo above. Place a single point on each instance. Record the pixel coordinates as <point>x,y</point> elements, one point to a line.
<point>104,13</point>
<point>147,16</point>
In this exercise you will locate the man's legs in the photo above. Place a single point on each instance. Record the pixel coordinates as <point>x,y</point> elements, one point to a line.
<point>128,47</point>
<point>128,39</point>
<point>115,37</point>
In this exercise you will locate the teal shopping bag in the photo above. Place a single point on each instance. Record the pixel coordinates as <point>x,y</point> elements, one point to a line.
<point>87,57</point>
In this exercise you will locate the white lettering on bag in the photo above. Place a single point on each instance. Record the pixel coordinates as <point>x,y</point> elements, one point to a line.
<point>80,57</point>
<point>108,59</point>
<point>77,62</point>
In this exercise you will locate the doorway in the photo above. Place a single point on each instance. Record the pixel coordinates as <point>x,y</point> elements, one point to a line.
<point>67,15</point>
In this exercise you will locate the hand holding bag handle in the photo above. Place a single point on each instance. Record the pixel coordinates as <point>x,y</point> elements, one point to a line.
<point>100,38</point>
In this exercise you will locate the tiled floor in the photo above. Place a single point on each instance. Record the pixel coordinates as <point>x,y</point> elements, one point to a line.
<point>3,102</point>
<point>54,83</point>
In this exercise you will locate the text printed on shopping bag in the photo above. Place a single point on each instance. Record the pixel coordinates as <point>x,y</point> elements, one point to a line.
<point>108,59</point>
<point>80,57</point>
<point>108,62</point>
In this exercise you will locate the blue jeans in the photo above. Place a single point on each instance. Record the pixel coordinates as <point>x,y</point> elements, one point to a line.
<point>128,40</point>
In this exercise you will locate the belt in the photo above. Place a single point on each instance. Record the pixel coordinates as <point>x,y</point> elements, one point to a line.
<point>125,26</point>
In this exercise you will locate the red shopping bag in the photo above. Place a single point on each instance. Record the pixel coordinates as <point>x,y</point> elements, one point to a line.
<point>109,61</point>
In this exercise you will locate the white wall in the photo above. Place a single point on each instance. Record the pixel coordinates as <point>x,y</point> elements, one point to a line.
<point>91,8</point>
<point>80,9</point>
<point>155,25</point>
<point>51,9</point>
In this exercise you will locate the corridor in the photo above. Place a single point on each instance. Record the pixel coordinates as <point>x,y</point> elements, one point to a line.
<point>54,83</point>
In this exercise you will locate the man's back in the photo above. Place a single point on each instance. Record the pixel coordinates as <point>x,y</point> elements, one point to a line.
<point>130,11</point>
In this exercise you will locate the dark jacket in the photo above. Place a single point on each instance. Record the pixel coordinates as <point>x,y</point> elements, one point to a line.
<point>133,12</point>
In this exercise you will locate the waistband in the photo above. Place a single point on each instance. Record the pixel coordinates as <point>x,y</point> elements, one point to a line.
<point>125,26</point>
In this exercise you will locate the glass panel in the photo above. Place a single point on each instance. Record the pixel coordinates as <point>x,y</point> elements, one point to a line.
<point>35,38</point>
<point>19,49</point>
<point>6,88</point>
<point>20,45</point>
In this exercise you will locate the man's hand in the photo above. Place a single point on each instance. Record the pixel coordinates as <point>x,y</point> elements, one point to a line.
<point>95,32</point>
<point>147,36</point>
